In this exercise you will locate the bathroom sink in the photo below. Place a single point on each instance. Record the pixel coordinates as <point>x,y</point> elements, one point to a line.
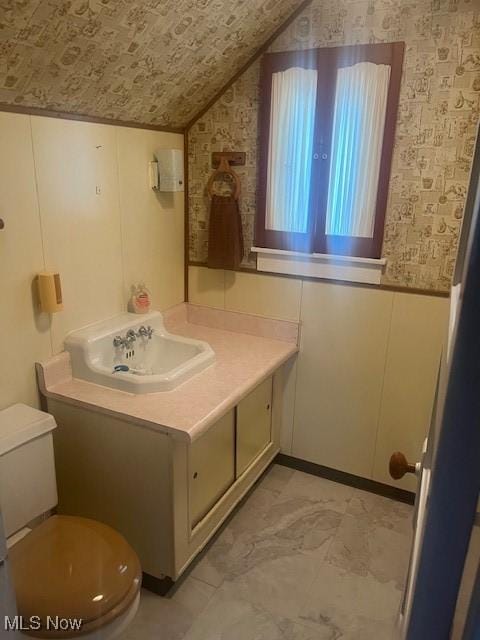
<point>135,353</point>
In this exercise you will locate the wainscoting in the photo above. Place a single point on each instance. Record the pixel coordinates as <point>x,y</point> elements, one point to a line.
<point>364,380</point>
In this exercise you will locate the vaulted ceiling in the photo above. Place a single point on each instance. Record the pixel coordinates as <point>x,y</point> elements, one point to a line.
<point>153,62</point>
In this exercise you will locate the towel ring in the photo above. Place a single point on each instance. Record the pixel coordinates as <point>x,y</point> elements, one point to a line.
<point>224,168</point>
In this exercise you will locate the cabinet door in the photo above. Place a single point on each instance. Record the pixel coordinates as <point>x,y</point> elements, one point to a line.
<point>212,467</point>
<point>254,418</point>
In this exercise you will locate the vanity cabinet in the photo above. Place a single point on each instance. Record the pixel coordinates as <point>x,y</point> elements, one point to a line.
<point>253,425</point>
<point>166,493</point>
<point>211,466</point>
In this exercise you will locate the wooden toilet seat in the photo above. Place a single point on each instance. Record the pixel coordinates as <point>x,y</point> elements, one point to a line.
<point>73,568</point>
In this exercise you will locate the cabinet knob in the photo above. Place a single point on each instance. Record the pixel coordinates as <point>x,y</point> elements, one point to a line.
<point>195,475</point>
<point>399,466</point>
<point>2,224</point>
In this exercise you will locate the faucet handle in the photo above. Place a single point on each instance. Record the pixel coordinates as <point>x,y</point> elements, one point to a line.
<point>145,332</point>
<point>118,341</point>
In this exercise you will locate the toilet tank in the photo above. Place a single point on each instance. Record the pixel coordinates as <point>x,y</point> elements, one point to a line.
<point>28,486</point>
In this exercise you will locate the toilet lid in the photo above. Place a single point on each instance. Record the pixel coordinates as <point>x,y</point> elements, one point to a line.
<point>73,568</point>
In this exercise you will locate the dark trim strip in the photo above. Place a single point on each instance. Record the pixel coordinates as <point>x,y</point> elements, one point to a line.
<point>303,5</point>
<point>186,214</point>
<point>344,283</point>
<point>160,586</point>
<point>64,115</point>
<point>385,490</point>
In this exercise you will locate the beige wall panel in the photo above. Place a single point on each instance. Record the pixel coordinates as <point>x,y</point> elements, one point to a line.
<point>206,286</point>
<point>152,222</point>
<point>340,374</point>
<point>77,180</point>
<point>68,226</point>
<point>263,295</point>
<point>418,329</point>
<point>25,333</point>
<point>288,405</point>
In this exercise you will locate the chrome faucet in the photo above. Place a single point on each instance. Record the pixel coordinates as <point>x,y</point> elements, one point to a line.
<point>145,332</point>
<point>131,336</point>
<point>127,341</point>
<point>118,341</point>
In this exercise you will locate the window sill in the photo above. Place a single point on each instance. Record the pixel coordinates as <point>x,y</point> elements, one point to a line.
<point>320,265</point>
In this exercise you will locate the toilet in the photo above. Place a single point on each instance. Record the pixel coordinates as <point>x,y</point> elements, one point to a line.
<point>72,576</point>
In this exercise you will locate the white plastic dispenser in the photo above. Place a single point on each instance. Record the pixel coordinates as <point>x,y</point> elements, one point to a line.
<point>170,170</point>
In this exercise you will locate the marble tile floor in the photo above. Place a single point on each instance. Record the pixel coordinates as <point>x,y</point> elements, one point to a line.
<point>302,558</point>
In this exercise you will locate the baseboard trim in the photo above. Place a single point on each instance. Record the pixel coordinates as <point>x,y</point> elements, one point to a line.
<point>160,586</point>
<point>401,495</point>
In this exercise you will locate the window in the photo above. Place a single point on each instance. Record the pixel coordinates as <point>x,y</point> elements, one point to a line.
<point>327,130</point>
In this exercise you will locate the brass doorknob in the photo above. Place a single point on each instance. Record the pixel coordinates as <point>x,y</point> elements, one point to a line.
<point>399,466</point>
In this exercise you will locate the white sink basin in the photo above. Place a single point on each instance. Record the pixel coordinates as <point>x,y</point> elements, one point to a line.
<point>159,363</point>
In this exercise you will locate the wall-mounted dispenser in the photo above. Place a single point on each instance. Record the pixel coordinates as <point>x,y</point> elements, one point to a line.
<point>166,174</point>
<point>49,292</point>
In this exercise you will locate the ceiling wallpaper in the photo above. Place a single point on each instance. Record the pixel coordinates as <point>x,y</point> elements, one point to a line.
<point>153,62</point>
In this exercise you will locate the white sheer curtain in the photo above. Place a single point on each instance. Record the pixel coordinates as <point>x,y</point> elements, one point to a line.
<point>359,121</point>
<point>292,121</point>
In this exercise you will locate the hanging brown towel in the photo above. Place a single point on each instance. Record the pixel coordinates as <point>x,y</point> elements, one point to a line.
<point>225,239</point>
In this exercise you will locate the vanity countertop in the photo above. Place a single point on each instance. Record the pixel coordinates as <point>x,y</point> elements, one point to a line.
<point>248,349</point>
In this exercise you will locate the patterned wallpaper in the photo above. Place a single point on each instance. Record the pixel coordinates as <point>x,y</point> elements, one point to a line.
<point>437,123</point>
<point>154,62</point>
